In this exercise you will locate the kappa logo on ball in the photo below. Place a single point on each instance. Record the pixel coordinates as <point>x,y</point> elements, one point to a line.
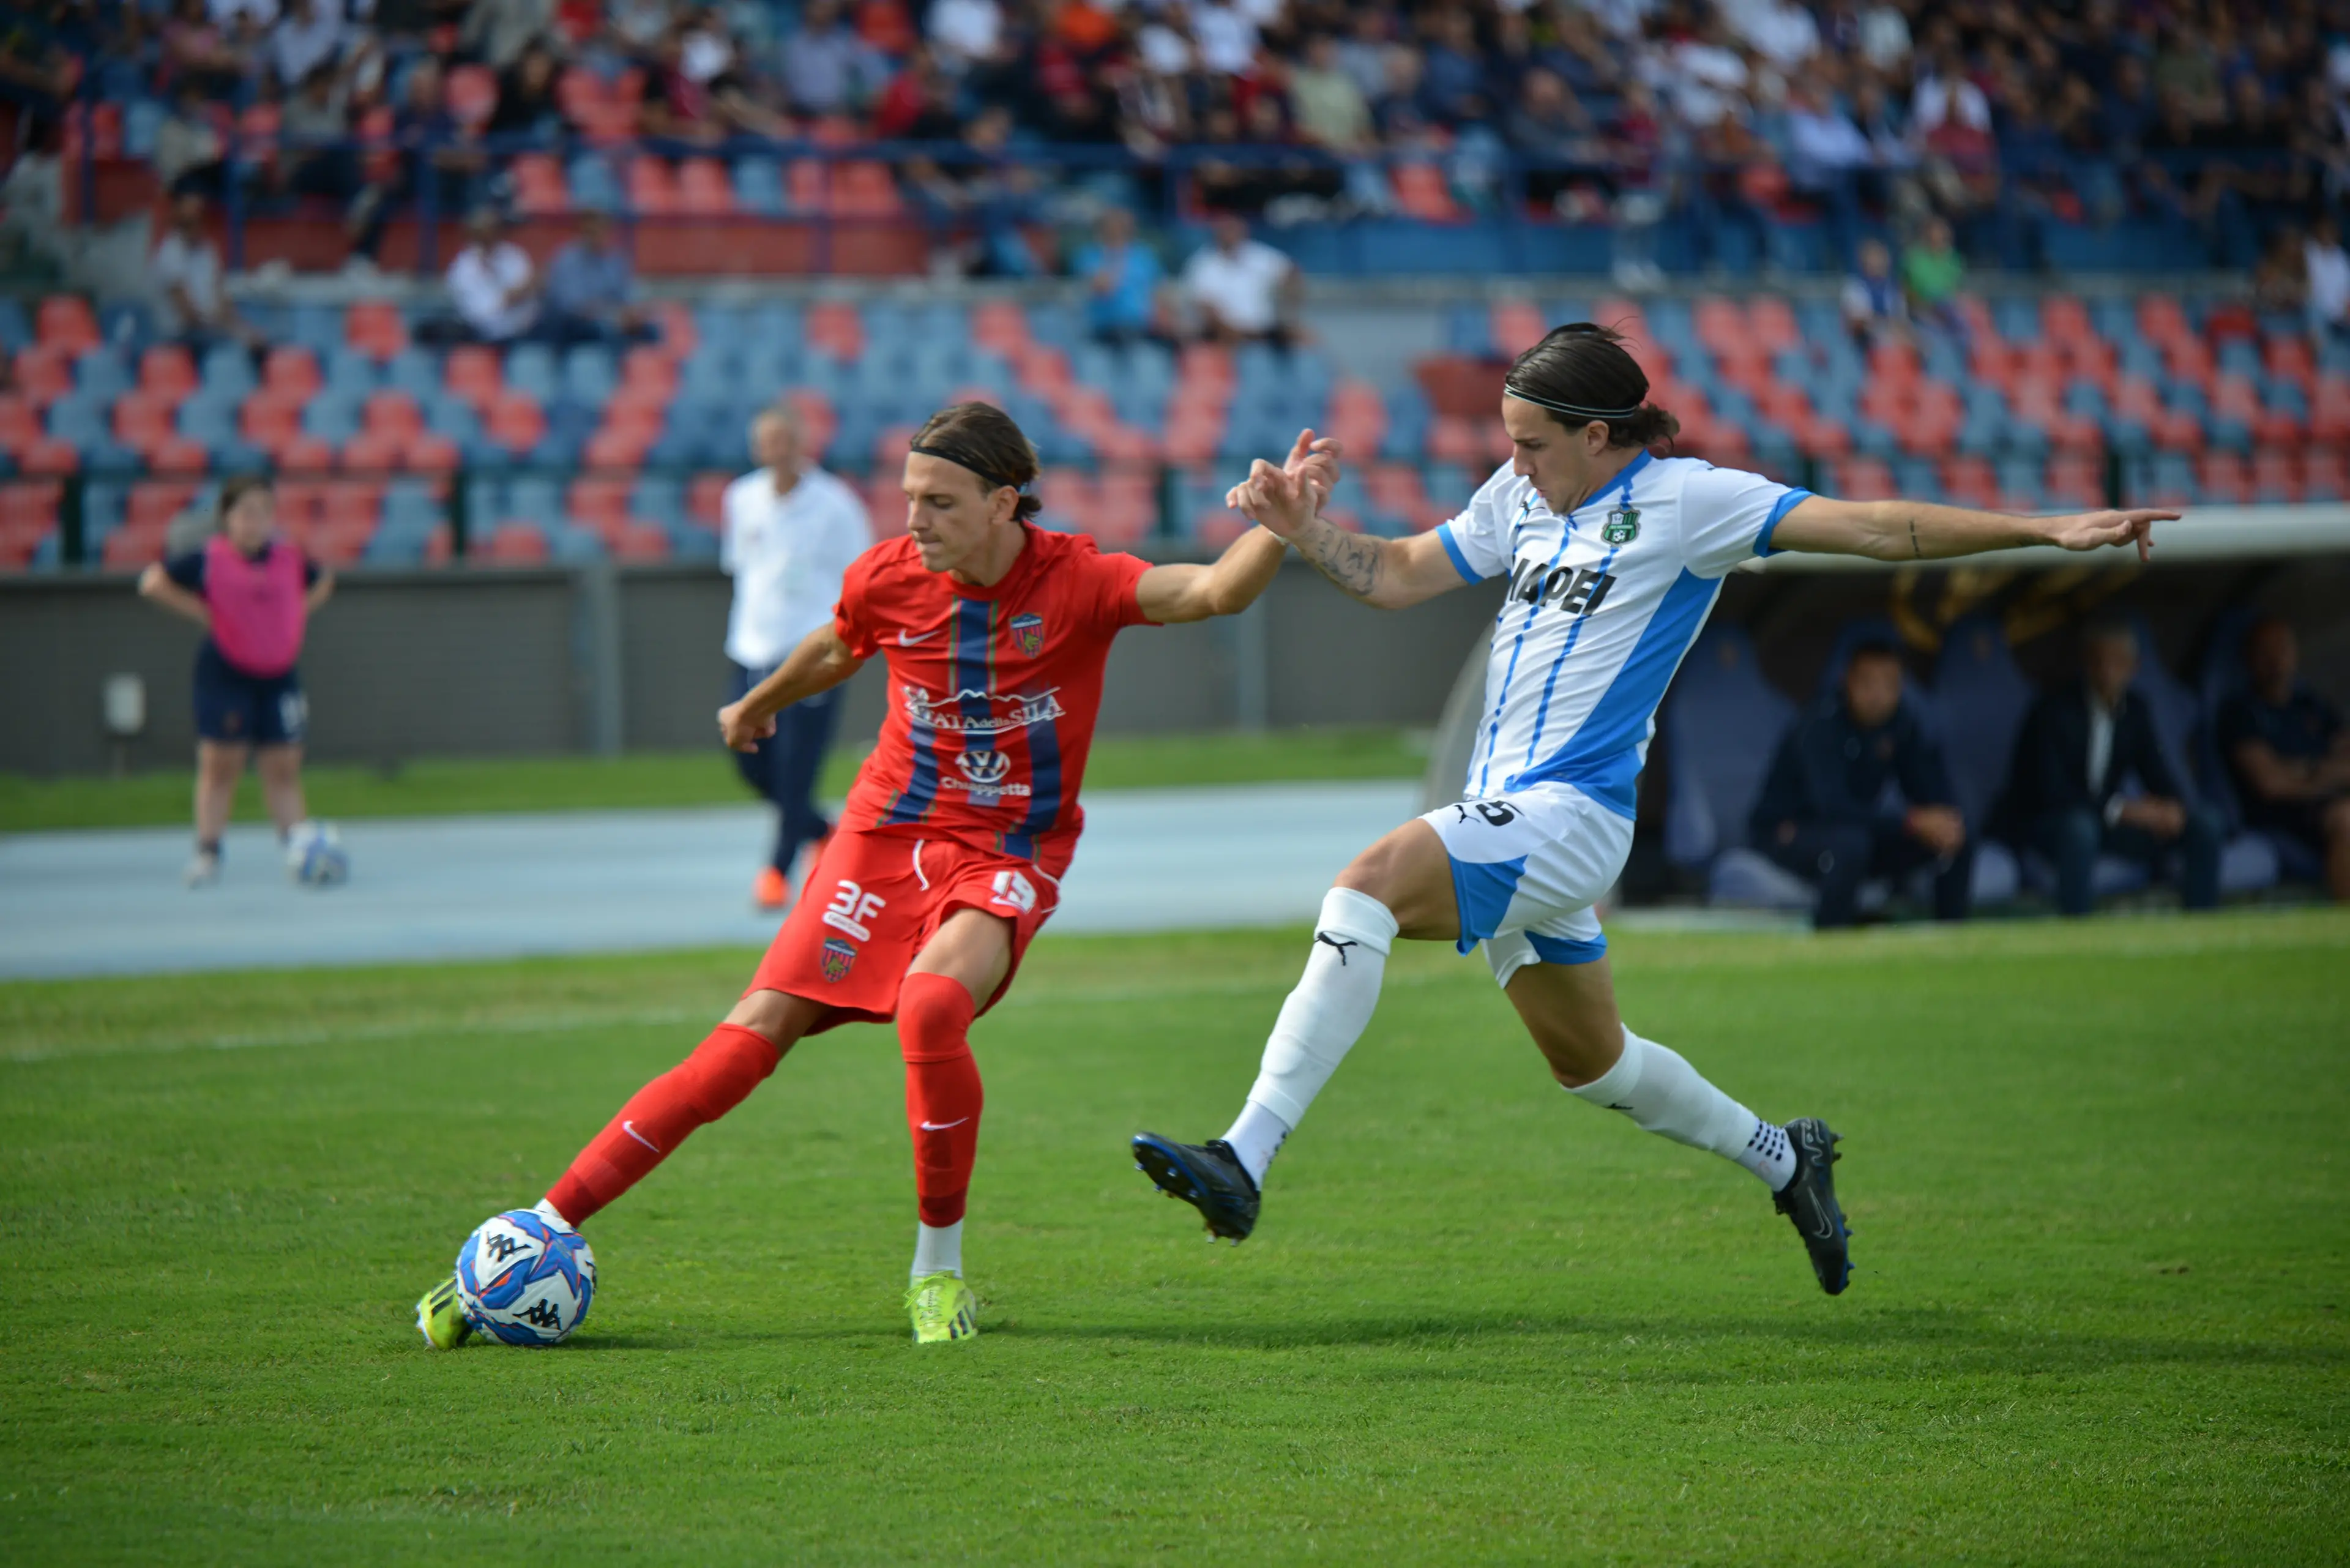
<point>837,958</point>
<point>1028,631</point>
<point>983,768</point>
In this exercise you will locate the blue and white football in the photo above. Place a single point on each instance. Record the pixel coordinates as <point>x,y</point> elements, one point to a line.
<point>525,1280</point>
<point>315,857</point>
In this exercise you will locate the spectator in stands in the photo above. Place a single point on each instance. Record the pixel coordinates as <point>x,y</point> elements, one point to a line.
<point>1331,111</point>
<point>2327,278</point>
<point>308,35</point>
<point>434,147</point>
<point>1122,281</point>
<point>185,274</point>
<point>1821,814</point>
<point>1242,289</point>
<point>190,155</point>
<point>2290,753</point>
<point>1549,127</point>
<point>530,105</point>
<point>1455,87</point>
<point>316,156</point>
<point>591,287</point>
<point>496,32</point>
<point>197,53</point>
<point>492,286</point>
<point>1224,34</point>
<point>1827,160</point>
<point>696,93</point>
<point>827,67</point>
<point>964,33</point>
<point>788,533</point>
<point>1930,275</point>
<point>2080,745</point>
<point>1874,308</point>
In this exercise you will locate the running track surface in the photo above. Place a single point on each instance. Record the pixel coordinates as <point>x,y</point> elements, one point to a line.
<point>429,888</point>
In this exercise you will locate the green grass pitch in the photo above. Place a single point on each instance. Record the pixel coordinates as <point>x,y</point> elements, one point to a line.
<point>2100,1175</point>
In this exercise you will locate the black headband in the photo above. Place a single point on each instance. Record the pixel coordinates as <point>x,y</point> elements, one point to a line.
<point>962,459</point>
<point>1570,407</point>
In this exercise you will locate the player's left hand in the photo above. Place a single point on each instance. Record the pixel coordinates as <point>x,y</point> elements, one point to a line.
<point>2096,530</point>
<point>1316,459</point>
<point>739,730</point>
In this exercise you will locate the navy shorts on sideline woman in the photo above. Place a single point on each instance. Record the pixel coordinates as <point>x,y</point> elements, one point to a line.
<point>248,709</point>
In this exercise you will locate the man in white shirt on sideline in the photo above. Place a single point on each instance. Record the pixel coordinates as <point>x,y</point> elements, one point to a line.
<point>1241,287</point>
<point>492,283</point>
<point>787,532</point>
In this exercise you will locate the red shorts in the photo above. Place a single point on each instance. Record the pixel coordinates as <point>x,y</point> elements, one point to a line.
<point>875,898</point>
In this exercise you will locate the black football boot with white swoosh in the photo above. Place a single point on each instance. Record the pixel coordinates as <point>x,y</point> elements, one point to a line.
<point>1208,1176</point>
<point>1809,1199</point>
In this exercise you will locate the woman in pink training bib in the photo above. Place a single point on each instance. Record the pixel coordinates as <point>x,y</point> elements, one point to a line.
<point>253,591</point>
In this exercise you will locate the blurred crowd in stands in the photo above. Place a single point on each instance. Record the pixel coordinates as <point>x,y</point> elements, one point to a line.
<point>1871,115</point>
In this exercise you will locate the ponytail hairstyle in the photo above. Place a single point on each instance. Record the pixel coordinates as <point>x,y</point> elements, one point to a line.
<point>981,438</point>
<point>1581,372</point>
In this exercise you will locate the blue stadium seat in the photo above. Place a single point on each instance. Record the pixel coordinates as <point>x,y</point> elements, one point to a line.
<point>318,327</point>
<point>350,372</point>
<point>333,416</point>
<point>759,186</point>
<point>590,374</point>
<point>103,373</point>
<point>16,327</point>
<point>530,370</point>
<point>125,325</point>
<point>415,371</point>
<point>228,370</point>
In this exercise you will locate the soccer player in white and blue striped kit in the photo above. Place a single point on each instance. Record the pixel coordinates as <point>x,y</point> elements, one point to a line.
<point>1614,557</point>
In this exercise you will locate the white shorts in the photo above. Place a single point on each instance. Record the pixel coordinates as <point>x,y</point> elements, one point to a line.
<point>1526,868</point>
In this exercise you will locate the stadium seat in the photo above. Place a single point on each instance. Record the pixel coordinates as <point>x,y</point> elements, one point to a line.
<point>540,190</point>
<point>472,372</point>
<point>703,188</point>
<point>861,189</point>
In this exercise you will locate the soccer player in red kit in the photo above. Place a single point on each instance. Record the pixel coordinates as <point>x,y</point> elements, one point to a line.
<point>950,853</point>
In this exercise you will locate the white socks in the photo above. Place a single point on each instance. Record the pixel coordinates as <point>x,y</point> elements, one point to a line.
<point>1664,1095</point>
<point>545,1209</point>
<point>1322,1018</point>
<point>938,1249</point>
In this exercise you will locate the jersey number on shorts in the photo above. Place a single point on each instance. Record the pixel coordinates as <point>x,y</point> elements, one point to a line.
<point>1496,813</point>
<point>850,908</point>
<point>1012,888</point>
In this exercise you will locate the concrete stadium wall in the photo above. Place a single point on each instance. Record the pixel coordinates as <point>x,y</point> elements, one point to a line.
<point>474,663</point>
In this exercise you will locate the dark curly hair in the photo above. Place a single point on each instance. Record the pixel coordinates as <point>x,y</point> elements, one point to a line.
<point>984,439</point>
<point>1581,372</point>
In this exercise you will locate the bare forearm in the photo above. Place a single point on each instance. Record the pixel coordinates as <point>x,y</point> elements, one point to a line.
<point>320,592</point>
<point>1922,531</point>
<point>1354,562</point>
<point>1244,571</point>
<point>819,663</point>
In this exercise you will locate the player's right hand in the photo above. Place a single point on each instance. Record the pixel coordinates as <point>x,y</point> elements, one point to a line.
<point>741,731</point>
<point>1274,499</point>
<point>1314,457</point>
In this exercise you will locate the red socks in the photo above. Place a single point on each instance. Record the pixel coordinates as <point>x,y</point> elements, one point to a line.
<point>943,1093</point>
<point>721,1071</point>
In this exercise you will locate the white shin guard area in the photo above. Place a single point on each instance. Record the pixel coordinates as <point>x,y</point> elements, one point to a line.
<point>1327,1011</point>
<point>1664,1095</point>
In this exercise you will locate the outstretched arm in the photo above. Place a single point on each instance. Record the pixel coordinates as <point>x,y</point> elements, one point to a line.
<point>1920,531</point>
<point>1174,594</point>
<point>1389,574</point>
<point>819,663</point>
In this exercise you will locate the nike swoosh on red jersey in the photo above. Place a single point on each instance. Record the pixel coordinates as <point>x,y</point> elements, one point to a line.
<point>942,1127</point>
<point>904,641</point>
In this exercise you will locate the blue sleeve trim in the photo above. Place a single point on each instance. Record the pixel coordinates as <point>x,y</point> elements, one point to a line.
<point>1785,505</point>
<point>1567,949</point>
<point>1452,548</point>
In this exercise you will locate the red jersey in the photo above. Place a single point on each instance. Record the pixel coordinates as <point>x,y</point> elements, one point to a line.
<point>993,690</point>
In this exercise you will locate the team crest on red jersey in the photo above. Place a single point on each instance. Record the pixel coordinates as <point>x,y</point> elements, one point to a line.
<point>1028,631</point>
<point>838,956</point>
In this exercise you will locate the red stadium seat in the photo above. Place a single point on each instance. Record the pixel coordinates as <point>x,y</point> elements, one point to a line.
<point>373,327</point>
<point>1421,192</point>
<point>512,544</point>
<point>2289,359</point>
<point>394,414</point>
<point>674,320</point>
<point>863,189</point>
<point>64,322</point>
<point>472,95</point>
<point>1971,482</point>
<point>2162,322</point>
<point>472,372</point>
<point>2075,480</point>
<point>430,453</point>
<point>2223,477</point>
<point>1000,327</point>
<point>178,454</point>
<point>269,422</point>
<point>804,185</point>
<point>2064,320</point>
<point>639,541</point>
<point>515,422</point>
<point>702,188</point>
<point>154,503</point>
<point>2327,475</point>
<point>707,493</point>
<point>44,374</point>
<point>127,548</point>
<point>649,374</point>
<point>20,424</point>
<point>835,327</point>
<point>306,454</point>
<point>290,371</point>
<point>540,189</point>
<point>653,186</point>
<point>2275,476</point>
<point>1772,322</point>
<point>1722,329</point>
<point>167,373</point>
<point>1453,439</point>
<point>1517,326</point>
<point>372,451</point>
<point>1862,479</point>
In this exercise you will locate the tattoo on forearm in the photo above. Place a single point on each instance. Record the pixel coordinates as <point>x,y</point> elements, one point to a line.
<point>1917,553</point>
<point>1347,559</point>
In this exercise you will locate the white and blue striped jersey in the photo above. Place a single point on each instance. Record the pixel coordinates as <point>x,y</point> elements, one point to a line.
<point>1603,603</point>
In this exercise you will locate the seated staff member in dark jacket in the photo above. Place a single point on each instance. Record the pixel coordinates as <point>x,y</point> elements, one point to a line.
<point>2076,747</point>
<point>1821,814</point>
<point>2288,752</point>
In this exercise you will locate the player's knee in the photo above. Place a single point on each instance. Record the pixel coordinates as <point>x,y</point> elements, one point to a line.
<point>1381,872</point>
<point>724,1069</point>
<point>933,1020</point>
